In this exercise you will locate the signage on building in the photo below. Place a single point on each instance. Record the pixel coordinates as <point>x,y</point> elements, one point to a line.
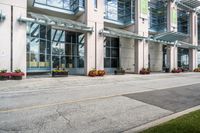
<point>144,8</point>
<point>174,17</point>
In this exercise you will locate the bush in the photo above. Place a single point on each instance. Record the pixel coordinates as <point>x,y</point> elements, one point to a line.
<point>94,73</point>
<point>145,71</point>
<point>197,69</point>
<point>176,70</point>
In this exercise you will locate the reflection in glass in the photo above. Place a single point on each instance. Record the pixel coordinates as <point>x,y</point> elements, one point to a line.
<point>111,53</point>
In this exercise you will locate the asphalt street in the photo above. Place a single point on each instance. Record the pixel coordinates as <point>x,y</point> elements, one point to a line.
<point>109,104</point>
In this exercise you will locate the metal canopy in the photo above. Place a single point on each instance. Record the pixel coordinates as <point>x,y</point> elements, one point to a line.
<point>2,16</point>
<point>186,45</point>
<point>171,36</point>
<point>54,21</point>
<point>191,3</point>
<point>108,31</point>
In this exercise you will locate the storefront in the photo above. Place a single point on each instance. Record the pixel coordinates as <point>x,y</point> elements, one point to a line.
<point>50,48</point>
<point>183,58</point>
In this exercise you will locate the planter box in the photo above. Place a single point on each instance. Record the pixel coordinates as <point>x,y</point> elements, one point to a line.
<point>16,77</point>
<point>59,74</point>
<point>119,72</point>
<point>4,76</point>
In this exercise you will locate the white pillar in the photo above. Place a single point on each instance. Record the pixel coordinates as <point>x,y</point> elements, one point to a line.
<point>141,27</point>
<point>193,40</point>
<point>94,54</point>
<point>172,55</point>
<point>13,35</point>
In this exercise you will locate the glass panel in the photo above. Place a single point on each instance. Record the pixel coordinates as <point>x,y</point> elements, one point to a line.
<point>34,45</point>
<point>114,63</point>
<point>42,31</point>
<point>34,60</point>
<point>75,49</point>
<point>55,61</point>
<point>108,52</point>
<point>55,48</point>
<point>80,62</point>
<point>68,49</point>
<point>107,63</point>
<point>62,49</point>
<point>81,50</point>
<point>42,46</point>
<point>69,62</point>
<point>42,61</point>
<point>63,60</point>
<point>114,52</point>
<point>34,29</point>
<point>55,3</point>
<point>41,1</point>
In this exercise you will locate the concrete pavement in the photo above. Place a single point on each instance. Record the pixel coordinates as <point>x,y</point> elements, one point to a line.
<point>83,104</point>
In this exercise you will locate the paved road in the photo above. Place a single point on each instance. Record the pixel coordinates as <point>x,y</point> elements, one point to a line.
<point>82,104</point>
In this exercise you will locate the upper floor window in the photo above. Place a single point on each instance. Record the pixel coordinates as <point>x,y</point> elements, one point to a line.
<point>95,3</point>
<point>70,5</point>
<point>183,21</point>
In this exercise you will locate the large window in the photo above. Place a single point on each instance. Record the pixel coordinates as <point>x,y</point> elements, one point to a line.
<point>183,21</point>
<point>120,10</point>
<point>70,5</point>
<point>183,58</point>
<point>111,52</point>
<point>157,16</point>
<point>49,48</point>
<point>38,47</point>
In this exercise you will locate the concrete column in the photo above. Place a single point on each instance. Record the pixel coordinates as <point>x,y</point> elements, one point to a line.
<point>94,54</point>
<point>14,36</point>
<point>172,55</point>
<point>193,40</point>
<point>141,28</point>
<point>5,33</point>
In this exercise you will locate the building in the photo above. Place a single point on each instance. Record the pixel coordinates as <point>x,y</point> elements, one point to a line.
<point>80,35</point>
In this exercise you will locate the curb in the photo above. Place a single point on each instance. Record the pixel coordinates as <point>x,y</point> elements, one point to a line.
<point>161,120</point>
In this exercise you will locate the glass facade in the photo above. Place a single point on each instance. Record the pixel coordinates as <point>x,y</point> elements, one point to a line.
<point>111,52</point>
<point>120,10</point>
<point>70,5</point>
<point>198,58</point>
<point>183,21</point>
<point>157,16</point>
<point>183,58</point>
<point>49,48</point>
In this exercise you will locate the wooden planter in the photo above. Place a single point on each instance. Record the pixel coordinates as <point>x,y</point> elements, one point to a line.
<point>59,74</point>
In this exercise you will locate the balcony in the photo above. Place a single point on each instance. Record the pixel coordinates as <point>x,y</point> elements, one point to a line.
<point>120,12</point>
<point>72,7</point>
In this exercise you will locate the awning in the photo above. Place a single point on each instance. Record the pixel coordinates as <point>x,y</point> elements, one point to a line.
<point>108,31</point>
<point>170,36</point>
<point>2,16</point>
<point>191,3</point>
<point>54,21</point>
<point>186,45</point>
<point>160,41</point>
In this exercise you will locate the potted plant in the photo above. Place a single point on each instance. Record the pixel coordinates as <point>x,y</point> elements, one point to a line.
<point>17,75</point>
<point>197,70</point>
<point>93,73</point>
<point>4,75</point>
<point>176,70</point>
<point>119,71</point>
<point>59,73</point>
<point>145,71</point>
<point>101,72</point>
